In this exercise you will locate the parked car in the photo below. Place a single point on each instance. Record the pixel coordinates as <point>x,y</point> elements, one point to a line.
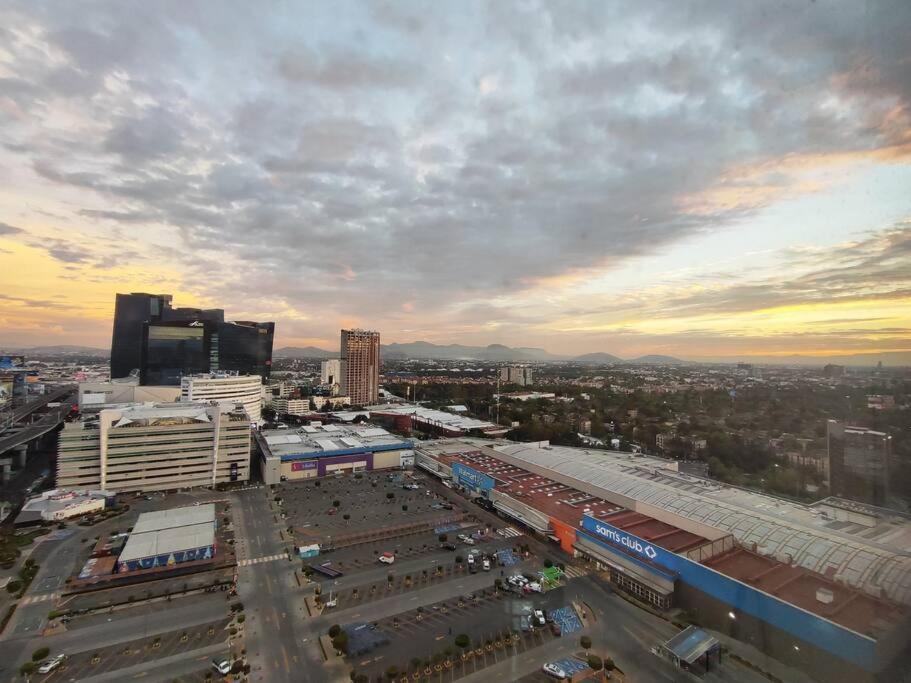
<point>222,666</point>
<point>468,541</point>
<point>448,546</point>
<point>538,618</point>
<point>485,564</point>
<point>462,537</point>
<point>51,664</point>
<point>331,511</point>
<point>387,558</point>
<point>554,670</point>
<point>533,587</point>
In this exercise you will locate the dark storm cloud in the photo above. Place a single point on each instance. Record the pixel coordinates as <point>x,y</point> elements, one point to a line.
<point>372,166</point>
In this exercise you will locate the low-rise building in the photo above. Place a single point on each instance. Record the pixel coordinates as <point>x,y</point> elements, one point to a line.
<point>291,406</point>
<point>316,450</point>
<point>155,446</point>
<point>59,504</point>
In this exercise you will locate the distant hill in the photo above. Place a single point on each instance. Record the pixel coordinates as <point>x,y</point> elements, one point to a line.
<point>59,350</point>
<point>303,352</point>
<point>599,357</point>
<point>493,352</point>
<point>655,359</point>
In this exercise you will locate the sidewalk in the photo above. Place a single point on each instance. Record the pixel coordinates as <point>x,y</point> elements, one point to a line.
<point>762,661</point>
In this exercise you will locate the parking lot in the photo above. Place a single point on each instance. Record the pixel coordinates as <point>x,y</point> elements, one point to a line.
<point>81,665</point>
<point>372,503</point>
<point>496,623</point>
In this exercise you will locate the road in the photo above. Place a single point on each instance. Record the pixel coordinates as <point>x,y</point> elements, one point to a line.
<point>272,599</point>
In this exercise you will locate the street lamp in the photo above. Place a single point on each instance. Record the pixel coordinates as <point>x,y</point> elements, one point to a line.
<point>732,616</point>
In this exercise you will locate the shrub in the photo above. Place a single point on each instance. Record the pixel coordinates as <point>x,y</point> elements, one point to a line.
<point>585,642</point>
<point>443,538</point>
<point>404,508</point>
<point>390,495</point>
<point>27,669</point>
<point>241,619</point>
<point>594,662</point>
<point>340,642</point>
<point>462,640</point>
<point>334,630</point>
<point>40,653</point>
<point>336,503</point>
<point>14,586</point>
<point>548,563</point>
<point>459,559</point>
<point>609,664</point>
<point>392,672</point>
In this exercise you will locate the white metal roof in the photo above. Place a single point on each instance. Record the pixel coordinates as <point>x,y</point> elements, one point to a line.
<point>169,540</point>
<point>174,517</point>
<point>875,563</point>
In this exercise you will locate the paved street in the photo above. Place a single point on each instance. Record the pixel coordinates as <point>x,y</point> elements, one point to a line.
<point>272,599</point>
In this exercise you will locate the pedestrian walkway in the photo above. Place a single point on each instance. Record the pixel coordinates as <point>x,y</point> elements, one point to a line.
<point>511,532</point>
<point>574,572</point>
<point>260,560</point>
<point>39,597</point>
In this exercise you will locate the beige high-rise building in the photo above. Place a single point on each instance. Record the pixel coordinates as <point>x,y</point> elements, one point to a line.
<point>155,446</point>
<point>360,366</point>
<point>225,387</point>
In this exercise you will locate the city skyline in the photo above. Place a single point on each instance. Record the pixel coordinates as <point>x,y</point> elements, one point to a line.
<point>663,180</point>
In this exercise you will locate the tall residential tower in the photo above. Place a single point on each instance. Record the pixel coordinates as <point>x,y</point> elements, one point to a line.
<point>360,366</point>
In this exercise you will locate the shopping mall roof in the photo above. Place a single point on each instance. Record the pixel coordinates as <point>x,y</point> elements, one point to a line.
<point>165,541</point>
<point>873,558</point>
<point>567,504</point>
<point>330,439</point>
<point>174,517</point>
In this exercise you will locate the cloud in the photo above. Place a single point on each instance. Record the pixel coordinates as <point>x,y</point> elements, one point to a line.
<point>7,229</point>
<point>438,158</point>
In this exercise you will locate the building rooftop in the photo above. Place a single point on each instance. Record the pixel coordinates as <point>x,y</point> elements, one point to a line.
<point>59,499</point>
<point>174,517</point>
<point>874,559</point>
<point>169,540</point>
<point>329,439</point>
<point>439,418</point>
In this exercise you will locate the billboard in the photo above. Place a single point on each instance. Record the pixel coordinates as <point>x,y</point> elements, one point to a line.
<point>470,478</point>
<point>305,465</point>
<point>6,390</point>
<point>10,362</point>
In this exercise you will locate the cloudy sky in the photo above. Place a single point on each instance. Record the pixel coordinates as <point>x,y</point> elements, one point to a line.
<point>684,178</point>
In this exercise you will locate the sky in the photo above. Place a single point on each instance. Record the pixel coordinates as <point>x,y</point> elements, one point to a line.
<point>699,179</point>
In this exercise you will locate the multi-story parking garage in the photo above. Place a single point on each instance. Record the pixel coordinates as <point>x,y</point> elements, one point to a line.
<point>825,587</point>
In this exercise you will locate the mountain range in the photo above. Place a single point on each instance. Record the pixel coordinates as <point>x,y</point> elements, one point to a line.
<point>493,352</point>
<point>58,350</point>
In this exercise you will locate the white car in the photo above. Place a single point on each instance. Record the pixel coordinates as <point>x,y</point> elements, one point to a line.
<point>539,619</point>
<point>554,670</point>
<point>222,666</point>
<point>533,587</point>
<point>387,558</point>
<point>462,537</point>
<point>486,565</point>
<point>519,579</point>
<point>468,541</point>
<point>51,664</point>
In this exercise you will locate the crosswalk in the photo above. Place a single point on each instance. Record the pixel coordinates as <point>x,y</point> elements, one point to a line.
<point>39,597</point>
<point>511,532</point>
<point>260,560</point>
<point>574,572</point>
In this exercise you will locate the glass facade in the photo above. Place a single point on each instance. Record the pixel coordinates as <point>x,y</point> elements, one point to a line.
<point>131,311</point>
<point>172,350</point>
<point>245,347</point>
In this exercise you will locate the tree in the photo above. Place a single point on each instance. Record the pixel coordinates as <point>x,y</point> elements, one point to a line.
<point>334,630</point>
<point>346,517</point>
<point>340,642</point>
<point>548,563</point>
<point>14,586</point>
<point>28,668</point>
<point>392,672</point>
<point>609,664</point>
<point>443,538</point>
<point>594,662</point>
<point>336,503</point>
<point>404,508</point>
<point>40,654</point>
<point>585,643</point>
<point>390,495</point>
<point>462,641</point>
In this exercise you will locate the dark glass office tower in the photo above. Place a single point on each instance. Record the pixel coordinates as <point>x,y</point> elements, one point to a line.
<point>166,343</point>
<point>171,350</point>
<point>245,347</point>
<point>130,312</point>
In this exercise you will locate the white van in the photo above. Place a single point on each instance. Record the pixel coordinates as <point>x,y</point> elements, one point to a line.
<point>387,558</point>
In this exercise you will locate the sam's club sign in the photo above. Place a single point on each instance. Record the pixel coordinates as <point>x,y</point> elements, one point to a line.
<point>618,537</point>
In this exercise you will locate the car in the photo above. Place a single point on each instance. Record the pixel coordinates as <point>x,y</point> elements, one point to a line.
<point>538,618</point>
<point>448,546</point>
<point>533,587</point>
<point>462,537</point>
<point>222,666</point>
<point>51,664</point>
<point>525,623</point>
<point>387,558</point>
<point>468,541</point>
<point>554,670</point>
<point>485,564</point>
<point>470,558</point>
<point>519,579</point>
<point>331,511</point>
<point>556,629</point>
